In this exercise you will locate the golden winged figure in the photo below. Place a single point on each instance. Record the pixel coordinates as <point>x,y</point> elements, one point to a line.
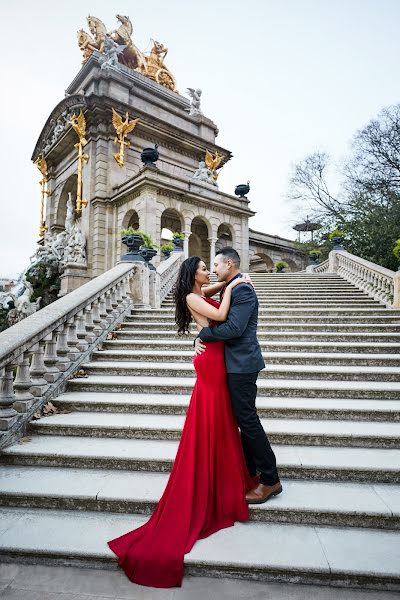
<point>41,165</point>
<point>122,128</point>
<point>213,162</point>
<point>78,123</point>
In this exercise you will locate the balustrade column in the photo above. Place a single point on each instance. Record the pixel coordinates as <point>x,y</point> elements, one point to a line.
<point>72,339</point>
<point>8,415</point>
<point>187,233</point>
<point>98,329</point>
<point>90,336</point>
<point>22,384</point>
<point>50,358</point>
<point>114,303</point>
<point>109,308</point>
<point>62,348</point>
<point>102,311</point>
<point>81,332</point>
<point>38,369</point>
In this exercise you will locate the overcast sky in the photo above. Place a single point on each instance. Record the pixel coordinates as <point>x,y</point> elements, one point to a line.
<point>280,78</point>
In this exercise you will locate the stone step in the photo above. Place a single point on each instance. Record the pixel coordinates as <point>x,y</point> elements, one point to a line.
<point>272,407</point>
<point>371,465</point>
<point>265,318</point>
<point>304,502</point>
<point>282,358</point>
<point>367,390</point>
<point>312,304</point>
<point>271,371</point>
<point>263,335</point>
<point>302,432</point>
<point>287,326</point>
<point>300,553</point>
<point>182,344</point>
<point>276,310</point>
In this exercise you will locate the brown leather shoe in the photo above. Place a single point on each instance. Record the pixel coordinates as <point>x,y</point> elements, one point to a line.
<point>262,493</point>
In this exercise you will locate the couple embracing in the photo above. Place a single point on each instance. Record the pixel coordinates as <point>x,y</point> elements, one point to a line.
<point>217,471</point>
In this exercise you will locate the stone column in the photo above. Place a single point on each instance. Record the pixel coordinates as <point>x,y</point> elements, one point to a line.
<point>396,290</point>
<point>139,285</point>
<point>187,233</point>
<point>213,241</point>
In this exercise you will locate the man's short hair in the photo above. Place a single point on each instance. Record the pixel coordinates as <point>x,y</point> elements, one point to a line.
<point>231,254</point>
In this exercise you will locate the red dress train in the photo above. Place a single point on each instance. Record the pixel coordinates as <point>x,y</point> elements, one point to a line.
<point>206,488</point>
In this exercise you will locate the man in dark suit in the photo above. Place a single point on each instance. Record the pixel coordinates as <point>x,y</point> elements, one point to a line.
<point>243,361</point>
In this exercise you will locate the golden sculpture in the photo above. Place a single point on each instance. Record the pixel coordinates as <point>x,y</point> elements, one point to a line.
<point>122,128</point>
<point>42,166</point>
<point>78,123</point>
<point>157,70</point>
<point>151,66</point>
<point>213,162</point>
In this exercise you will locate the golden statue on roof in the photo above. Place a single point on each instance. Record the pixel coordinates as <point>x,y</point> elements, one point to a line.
<point>129,55</point>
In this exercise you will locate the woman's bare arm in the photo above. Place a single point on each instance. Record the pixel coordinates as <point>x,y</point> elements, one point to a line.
<point>213,289</point>
<point>198,305</point>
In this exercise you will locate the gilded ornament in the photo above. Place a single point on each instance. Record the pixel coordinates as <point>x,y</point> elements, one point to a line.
<point>78,123</point>
<point>42,166</point>
<point>122,128</point>
<point>213,162</point>
<point>151,66</point>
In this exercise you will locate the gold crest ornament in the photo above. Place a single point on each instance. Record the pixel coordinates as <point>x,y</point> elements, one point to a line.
<point>78,123</point>
<point>213,162</point>
<point>42,166</point>
<point>122,128</point>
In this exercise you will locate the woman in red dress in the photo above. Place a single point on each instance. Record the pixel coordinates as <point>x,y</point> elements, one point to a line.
<point>209,479</point>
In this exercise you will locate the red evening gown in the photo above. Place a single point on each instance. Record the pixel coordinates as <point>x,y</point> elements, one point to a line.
<point>206,488</point>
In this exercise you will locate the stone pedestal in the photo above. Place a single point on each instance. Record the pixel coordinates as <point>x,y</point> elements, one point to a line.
<point>154,289</point>
<point>140,285</point>
<point>73,277</point>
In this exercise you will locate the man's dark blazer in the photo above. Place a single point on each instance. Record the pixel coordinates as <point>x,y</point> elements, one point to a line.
<point>239,332</point>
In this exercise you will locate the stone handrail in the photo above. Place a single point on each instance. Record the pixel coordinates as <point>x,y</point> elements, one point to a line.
<point>40,353</point>
<point>322,267</point>
<point>168,272</point>
<point>378,282</point>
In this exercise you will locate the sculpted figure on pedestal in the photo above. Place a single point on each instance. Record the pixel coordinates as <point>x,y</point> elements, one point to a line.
<point>205,174</point>
<point>195,103</point>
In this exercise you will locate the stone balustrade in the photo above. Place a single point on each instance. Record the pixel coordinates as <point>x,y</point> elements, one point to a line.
<point>40,353</point>
<point>168,272</point>
<point>322,267</point>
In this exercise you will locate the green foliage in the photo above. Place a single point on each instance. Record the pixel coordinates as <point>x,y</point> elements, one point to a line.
<point>46,284</point>
<point>337,233</point>
<point>3,318</point>
<point>147,241</point>
<point>315,253</point>
<point>280,265</point>
<point>178,234</point>
<point>396,250</point>
<point>169,247</point>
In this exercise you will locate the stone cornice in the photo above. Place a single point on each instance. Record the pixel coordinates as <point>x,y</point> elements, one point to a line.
<point>76,102</point>
<point>179,189</point>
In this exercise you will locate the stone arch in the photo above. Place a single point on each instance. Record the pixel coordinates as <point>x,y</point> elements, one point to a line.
<point>131,219</point>
<point>61,209</point>
<point>171,220</point>
<point>225,236</point>
<point>292,264</point>
<point>261,262</point>
<point>199,244</point>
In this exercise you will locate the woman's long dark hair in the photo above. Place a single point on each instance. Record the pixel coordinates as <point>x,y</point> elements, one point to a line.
<point>184,286</point>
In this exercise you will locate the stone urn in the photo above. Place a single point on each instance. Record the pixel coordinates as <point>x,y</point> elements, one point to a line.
<point>178,244</point>
<point>133,242</point>
<point>242,189</point>
<point>166,253</point>
<point>150,156</point>
<point>337,242</point>
<point>148,254</point>
<point>313,259</point>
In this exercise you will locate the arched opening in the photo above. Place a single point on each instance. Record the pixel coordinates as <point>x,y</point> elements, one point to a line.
<point>261,263</point>
<point>171,221</point>
<point>198,241</point>
<point>292,266</point>
<point>131,219</point>
<point>69,188</point>
<point>225,237</point>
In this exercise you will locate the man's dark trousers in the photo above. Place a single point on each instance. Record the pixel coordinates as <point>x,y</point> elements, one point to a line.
<point>256,447</point>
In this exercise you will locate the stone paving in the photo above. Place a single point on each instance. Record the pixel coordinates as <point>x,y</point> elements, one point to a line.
<point>42,582</point>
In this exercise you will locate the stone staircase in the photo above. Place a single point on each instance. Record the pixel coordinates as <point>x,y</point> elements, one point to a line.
<point>329,399</point>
